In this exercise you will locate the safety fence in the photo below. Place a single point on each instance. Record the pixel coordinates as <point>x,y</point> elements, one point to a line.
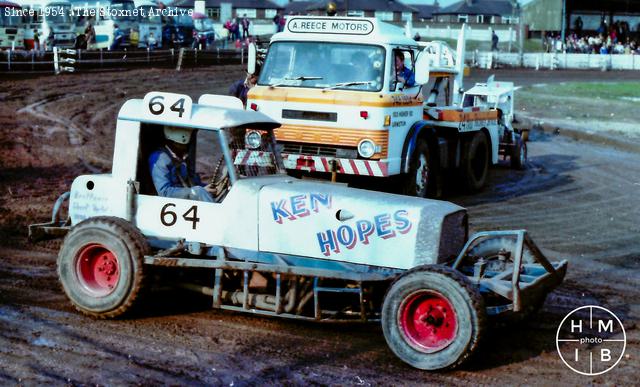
<point>72,60</point>
<point>554,61</point>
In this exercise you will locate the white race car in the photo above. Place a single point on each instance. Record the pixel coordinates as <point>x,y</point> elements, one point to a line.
<point>280,246</point>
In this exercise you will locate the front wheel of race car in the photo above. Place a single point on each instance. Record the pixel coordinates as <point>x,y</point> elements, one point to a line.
<point>100,266</point>
<point>433,318</point>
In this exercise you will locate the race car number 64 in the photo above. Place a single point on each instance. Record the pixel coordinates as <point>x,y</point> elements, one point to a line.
<point>169,218</point>
<point>168,106</point>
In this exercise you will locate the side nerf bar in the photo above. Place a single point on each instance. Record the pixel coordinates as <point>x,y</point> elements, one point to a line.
<point>528,279</point>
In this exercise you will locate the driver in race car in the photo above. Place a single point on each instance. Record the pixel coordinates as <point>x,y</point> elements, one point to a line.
<point>170,168</point>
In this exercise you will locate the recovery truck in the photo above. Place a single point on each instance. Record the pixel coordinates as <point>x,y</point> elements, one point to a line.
<point>274,245</point>
<point>333,84</point>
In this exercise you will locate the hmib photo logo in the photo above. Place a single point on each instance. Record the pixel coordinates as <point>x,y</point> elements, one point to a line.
<point>591,340</point>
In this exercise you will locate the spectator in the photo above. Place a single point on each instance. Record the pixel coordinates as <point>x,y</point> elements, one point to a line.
<point>152,43</point>
<point>578,26</point>
<point>276,21</point>
<point>241,87</point>
<point>89,34</point>
<point>229,28</point>
<point>494,41</point>
<point>36,40</point>
<point>283,21</point>
<point>51,39</point>
<point>245,26</point>
<point>118,38</point>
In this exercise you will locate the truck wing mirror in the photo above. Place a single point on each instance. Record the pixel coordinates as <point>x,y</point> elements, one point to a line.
<point>251,60</point>
<point>422,68</point>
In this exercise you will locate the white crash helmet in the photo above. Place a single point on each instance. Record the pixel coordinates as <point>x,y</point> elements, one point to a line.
<point>177,134</point>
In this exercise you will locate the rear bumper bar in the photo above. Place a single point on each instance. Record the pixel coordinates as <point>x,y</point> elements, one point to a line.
<point>529,281</point>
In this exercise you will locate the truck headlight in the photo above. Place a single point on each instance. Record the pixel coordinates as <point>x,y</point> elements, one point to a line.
<point>366,148</point>
<point>253,139</point>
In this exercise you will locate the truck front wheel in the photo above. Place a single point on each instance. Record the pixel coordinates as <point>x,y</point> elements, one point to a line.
<point>433,317</point>
<point>100,266</point>
<point>420,181</point>
<point>475,163</point>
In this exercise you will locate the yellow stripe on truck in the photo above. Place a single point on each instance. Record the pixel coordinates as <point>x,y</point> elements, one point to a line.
<point>333,97</point>
<point>333,136</point>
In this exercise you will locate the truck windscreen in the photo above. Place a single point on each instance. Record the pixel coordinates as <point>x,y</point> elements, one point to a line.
<point>323,65</point>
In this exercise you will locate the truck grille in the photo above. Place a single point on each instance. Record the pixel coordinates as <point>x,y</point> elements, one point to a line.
<point>316,150</point>
<point>309,115</point>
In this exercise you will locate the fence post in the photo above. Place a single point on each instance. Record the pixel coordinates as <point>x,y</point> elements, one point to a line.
<point>242,56</point>
<point>9,60</point>
<point>56,65</point>
<point>148,53</point>
<point>79,55</point>
<point>180,57</point>
<point>195,52</point>
<point>101,62</point>
<point>33,59</point>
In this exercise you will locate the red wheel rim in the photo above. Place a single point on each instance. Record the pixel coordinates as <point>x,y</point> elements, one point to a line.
<point>428,321</point>
<point>98,270</point>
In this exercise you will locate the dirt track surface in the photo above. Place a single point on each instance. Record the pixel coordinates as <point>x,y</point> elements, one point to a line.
<point>578,200</point>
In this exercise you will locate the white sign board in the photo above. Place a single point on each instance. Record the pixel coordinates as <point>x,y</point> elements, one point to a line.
<point>300,25</point>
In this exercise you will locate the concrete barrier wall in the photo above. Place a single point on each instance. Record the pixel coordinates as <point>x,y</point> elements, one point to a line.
<point>554,61</point>
<point>480,34</point>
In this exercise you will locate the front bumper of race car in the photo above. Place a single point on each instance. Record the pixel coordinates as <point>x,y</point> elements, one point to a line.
<point>531,281</point>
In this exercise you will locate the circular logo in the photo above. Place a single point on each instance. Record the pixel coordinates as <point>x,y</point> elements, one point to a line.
<point>591,340</point>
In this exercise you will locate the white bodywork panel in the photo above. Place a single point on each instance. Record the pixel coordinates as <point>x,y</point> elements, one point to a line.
<point>97,195</point>
<point>327,221</point>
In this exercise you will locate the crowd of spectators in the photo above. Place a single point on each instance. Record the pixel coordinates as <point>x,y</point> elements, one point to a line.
<point>614,39</point>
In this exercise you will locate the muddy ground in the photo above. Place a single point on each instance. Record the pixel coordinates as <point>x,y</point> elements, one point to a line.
<point>579,201</point>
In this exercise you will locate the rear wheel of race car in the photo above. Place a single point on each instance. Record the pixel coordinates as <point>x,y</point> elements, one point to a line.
<point>475,163</point>
<point>100,266</point>
<point>420,181</point>
<point>433,318</point>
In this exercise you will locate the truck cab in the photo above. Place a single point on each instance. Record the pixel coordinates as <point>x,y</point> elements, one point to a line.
<point>349,93</point>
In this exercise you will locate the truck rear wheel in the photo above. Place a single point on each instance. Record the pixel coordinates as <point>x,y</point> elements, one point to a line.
<point>420,181</point>
<point>519,154</point>
<point>433,318</point>
<point>100,266</point>
<point>475,163</point>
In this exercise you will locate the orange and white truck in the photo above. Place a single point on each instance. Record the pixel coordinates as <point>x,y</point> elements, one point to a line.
<point>355,96</point>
